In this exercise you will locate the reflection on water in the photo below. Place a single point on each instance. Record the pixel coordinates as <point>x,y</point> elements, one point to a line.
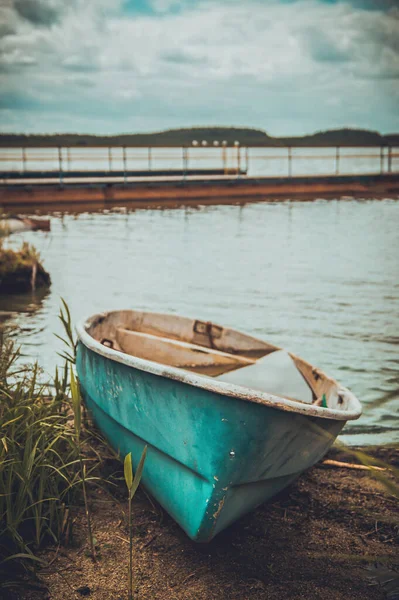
<point>23,303</point>
<point>14,305</point>
<point>320,279</point>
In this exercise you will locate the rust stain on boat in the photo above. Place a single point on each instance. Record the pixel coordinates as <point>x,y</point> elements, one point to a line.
<point>219,509</point>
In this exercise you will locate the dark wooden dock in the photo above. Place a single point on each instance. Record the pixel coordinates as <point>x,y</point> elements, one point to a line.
<point>64,176</point>
<point>216,189</point>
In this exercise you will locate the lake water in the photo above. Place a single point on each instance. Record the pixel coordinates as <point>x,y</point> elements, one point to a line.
<point>318,278</point>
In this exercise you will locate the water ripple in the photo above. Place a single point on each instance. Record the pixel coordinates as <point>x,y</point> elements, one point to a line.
<point>320,279</point>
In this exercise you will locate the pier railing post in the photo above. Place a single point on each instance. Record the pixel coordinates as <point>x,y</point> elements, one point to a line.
<point>337,160</point>
<point>24,159</point>
<point>60,164</point>
<point>381,159</point>
<point>109,159</point>
<point>68,158</point>
<point>224,158</point>
<point>389,159</point>
<point>289,161</point>
<point>124,164</point>
<point>150,159</point>
<point>246,160</point>
<point>237,145</point>
<point>184,159</point>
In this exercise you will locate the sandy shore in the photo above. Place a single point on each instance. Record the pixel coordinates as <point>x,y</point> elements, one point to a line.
<point>333,535</point>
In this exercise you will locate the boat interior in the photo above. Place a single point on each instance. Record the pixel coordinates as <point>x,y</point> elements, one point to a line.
<point>213,351</point>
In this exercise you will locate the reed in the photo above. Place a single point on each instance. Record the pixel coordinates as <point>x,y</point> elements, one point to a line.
<point>388,477</point>
<point>43,463</point>
<point>132,483</point>
<point>385,473</point>
<point>39,478</point>
<point>77,413</point>
<point>69,354</point>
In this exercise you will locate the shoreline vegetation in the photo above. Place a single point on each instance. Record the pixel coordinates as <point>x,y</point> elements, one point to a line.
<point>184,137</point>
<point>68,528</point>
<point>21,270</point>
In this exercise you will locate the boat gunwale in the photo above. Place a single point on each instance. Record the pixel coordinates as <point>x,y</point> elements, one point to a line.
<point>213,385</point>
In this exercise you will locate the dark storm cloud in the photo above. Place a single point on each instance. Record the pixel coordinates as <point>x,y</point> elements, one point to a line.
<point>368,50</point>
<point>6,29</point>
<point>382,5</point>
<point>21,66</point>
<point>324,49</point>
<point>179,57</point>
<point>370,4</point>
<point>38,12</point>
<point>387,37</point>
<point>83,67</point>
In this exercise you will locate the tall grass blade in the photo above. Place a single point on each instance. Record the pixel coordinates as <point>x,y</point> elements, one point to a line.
<point>77,411</point>
<point>128,471</point>
<point>138,474</point>
<point>76,403</point>
<point>132,483</point>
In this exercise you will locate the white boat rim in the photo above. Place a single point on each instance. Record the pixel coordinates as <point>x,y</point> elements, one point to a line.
<point>214,385</point>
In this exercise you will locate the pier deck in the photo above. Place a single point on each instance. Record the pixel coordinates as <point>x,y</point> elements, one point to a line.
<point>215,189</point>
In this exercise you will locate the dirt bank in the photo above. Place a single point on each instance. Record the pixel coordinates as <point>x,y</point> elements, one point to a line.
<point>21,270</point>
<point>333,535</point>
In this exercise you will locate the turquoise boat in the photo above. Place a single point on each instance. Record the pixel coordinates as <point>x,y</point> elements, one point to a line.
<point>229,420</point>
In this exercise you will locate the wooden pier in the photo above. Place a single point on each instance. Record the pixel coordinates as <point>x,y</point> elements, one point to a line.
<point>9,177</point>
<point>217,189</point>
<point>38,177</point>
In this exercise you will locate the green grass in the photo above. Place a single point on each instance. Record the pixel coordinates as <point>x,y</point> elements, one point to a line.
<point>21,270</point>
<point>132,483</point>
<point>41,461</point>
<point>11,260</point>
<point>38,458</point>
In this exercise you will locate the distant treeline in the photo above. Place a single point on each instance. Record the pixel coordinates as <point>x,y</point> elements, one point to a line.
<point>185,137</point>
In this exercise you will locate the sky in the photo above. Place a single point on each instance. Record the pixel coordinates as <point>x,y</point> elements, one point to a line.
<point>289,67</point>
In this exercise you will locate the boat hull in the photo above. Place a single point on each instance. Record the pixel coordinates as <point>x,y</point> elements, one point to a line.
<point>211,457</point>
<point>18,224</point>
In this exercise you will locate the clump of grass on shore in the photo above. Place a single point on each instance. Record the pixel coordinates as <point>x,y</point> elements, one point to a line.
<point>39,459</point>
<point>21,270</point>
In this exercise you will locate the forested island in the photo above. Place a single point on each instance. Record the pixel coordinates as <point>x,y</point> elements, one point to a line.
<point>185,137</point>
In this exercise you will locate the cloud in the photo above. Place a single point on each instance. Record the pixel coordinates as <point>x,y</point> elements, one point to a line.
<point>289,67</point>
<point>8,20</point>
<point>170,6</point>
<point>6,29</point>
<point>38,12</point>
<point>379,5</point>
<point>180,57</point>
<point>372,5</point>
<point>323,48</point>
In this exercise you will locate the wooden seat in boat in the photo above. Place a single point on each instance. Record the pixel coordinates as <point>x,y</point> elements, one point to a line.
<point>211,350</point>
<point>179,354</point>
